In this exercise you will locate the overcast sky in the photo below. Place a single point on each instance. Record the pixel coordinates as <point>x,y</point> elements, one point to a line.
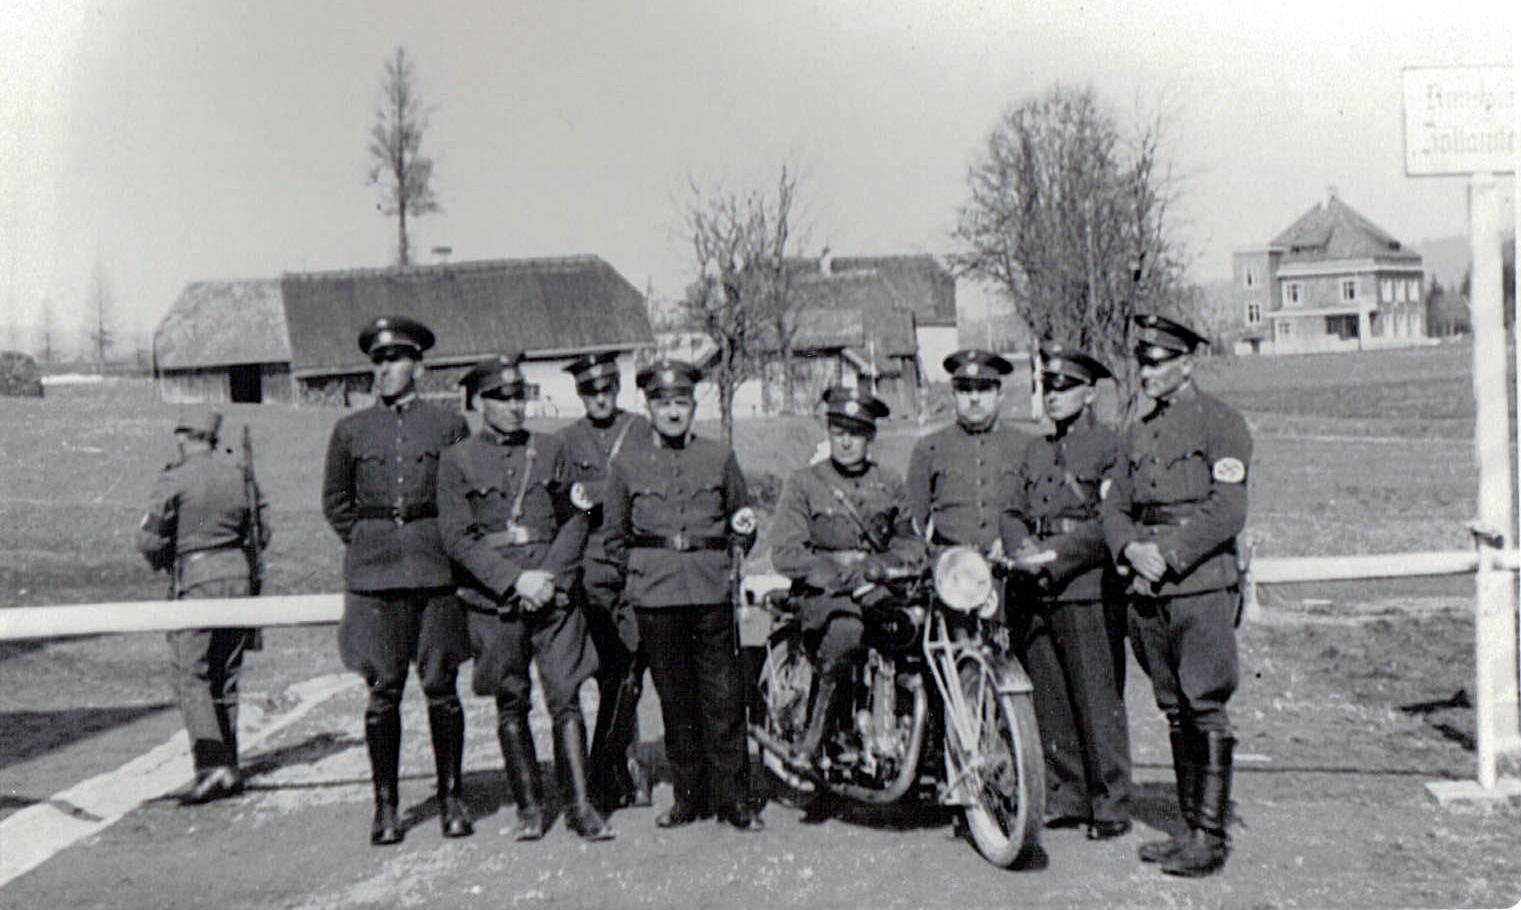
<point>178,141</point>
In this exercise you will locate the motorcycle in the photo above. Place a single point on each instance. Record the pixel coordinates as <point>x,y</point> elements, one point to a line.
<point>937,699</point>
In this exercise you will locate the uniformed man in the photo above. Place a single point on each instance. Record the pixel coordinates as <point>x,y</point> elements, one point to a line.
<point>378,493</point>
<point>200,528</point>
<point>837,526</point>
<point>515,531</point>
<point>1171,517</point>
<point>678,519</point>
<point>618,778</point>
<point>1068,621</point>
<point>959,477</point>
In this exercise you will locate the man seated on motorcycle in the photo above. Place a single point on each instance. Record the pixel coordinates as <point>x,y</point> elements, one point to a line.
<point>836,529</point>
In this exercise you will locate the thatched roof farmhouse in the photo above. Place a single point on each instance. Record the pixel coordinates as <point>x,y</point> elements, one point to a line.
<point>292,339</point>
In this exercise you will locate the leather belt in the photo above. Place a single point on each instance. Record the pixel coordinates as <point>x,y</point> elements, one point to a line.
<point>678,541</point>
<point>1165,514</point>
<point>1050,526</point>
<point>517,536</point>
<point>401,513</point>
<point>185,559</point>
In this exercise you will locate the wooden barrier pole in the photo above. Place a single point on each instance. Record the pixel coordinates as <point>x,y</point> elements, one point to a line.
<point>1495,634</point>
<point>18,623</point>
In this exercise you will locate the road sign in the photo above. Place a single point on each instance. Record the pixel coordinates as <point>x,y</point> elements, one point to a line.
<point>1460,120</point>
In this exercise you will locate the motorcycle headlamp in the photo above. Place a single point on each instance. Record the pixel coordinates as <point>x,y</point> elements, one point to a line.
<point>964,581</point>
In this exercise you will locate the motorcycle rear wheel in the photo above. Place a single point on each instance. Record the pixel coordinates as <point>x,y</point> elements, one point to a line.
<point>1004,818</point>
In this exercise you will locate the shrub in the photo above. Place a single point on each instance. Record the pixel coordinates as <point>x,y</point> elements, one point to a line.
<point>19,375</point>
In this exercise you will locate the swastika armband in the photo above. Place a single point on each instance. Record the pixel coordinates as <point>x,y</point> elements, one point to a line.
<point>1229,470</point>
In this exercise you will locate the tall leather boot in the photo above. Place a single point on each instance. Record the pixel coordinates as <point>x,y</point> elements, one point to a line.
<point>818,715</point>
<point>446,721</point>
<point>1208,846</point>
<point>612,779</point>
<point>1188,768</point>
<point>382,734</point>
<point>522,763</point>
<point>570,762</point>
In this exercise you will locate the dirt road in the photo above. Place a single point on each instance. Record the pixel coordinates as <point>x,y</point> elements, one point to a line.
<point>1342,724</point>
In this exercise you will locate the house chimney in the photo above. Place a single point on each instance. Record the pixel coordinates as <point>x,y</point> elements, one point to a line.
<point>1330,194</point>
<point>826,262</point>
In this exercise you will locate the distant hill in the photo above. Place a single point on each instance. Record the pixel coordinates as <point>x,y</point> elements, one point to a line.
<point>1446,258</point>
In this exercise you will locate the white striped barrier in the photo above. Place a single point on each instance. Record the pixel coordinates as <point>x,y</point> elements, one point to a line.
<point>19,623</point>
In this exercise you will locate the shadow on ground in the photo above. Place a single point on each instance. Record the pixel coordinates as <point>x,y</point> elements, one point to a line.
<point>27,734</point>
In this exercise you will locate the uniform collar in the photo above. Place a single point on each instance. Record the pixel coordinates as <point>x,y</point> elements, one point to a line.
<point>401,404</point>
<point>663,442</point>
<point>982,431</point>
<point>852,473</point>
<point>609,423</point>
<point>1186,393</point>
<point>495,436</point>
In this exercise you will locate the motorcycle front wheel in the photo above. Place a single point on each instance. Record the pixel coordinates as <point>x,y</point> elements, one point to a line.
<point>1004,816</point>
<point>784,686</point>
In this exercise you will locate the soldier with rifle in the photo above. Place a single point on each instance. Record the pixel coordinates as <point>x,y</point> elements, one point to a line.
<point>205,525</point>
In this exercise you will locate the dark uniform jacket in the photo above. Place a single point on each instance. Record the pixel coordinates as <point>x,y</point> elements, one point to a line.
<point>960,480</point>
<point>667,517</point>
<point>1181,483</point>
<point>589,449</point>
<point>503,507</point>
<point>826,522</point>
<point>378,493</point>
<point>198,521</point>
<point>1054,504</point>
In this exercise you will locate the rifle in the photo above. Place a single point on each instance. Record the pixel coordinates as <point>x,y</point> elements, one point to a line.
<point>255,543</point>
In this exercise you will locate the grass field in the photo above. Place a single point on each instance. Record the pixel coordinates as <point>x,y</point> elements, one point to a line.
<point>1346,705</point>
<point>1368,453</point>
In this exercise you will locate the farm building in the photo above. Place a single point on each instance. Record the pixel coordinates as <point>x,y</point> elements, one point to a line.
<point>851,330</point>
<point>917,284</point>
<point>886,321</point>
<point>1331,281</point>
<point>293,339</point>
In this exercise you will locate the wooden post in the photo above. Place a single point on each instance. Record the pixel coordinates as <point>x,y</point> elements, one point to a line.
<point>1495,632</point>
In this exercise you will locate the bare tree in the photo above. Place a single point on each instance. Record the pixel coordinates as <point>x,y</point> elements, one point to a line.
<point>741,241</point>
<point>102,337</point>
<point>1068,217</point>
<point>397,166</point>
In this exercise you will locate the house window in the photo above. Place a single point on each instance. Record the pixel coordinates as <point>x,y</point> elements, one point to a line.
<point>1253,313</point>
<point>1343,327</point>
<point>1386,290</point>
<point>1415,289</point>
<point>1399,291</point>
<point>1291,293</point>
<point>1249,277</point>
<point>1285,329</point>
<point>1348,289</point>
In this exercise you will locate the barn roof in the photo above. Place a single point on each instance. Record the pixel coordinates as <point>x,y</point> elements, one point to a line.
<point>915,282</point>
<point>222,323</point>
<point>854,309</point>
<point>542,306</point>
<point>1334,230</point>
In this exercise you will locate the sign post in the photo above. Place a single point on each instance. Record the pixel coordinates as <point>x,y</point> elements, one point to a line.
<point>1462,121</point>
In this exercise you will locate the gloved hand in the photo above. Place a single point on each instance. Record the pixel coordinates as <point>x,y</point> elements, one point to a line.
<point>874,570</point>
<point>535,588</point>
